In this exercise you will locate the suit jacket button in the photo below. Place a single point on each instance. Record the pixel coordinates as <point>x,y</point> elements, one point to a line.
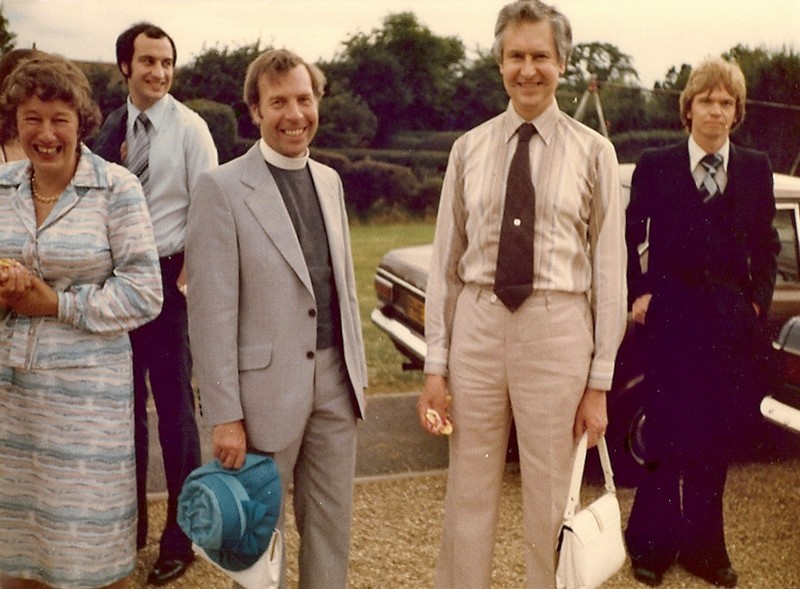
<point>312,312</point>
<point>310,355</point>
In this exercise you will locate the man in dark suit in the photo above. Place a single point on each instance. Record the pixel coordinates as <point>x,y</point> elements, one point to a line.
<point>179,148</point>
<point>706,208</point>
<point>273,313</point>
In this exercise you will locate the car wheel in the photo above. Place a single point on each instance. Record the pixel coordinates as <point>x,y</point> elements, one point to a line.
<point>625,435</point>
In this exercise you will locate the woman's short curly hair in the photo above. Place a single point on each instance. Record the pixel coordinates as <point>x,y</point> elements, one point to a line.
<point>49,77</point>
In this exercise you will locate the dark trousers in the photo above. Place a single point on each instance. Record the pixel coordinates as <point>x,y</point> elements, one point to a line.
<point>678,514</point>
<point>161,354</point>
<point>700,354</point>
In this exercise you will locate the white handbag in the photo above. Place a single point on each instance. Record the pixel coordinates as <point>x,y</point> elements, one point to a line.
<point>265,572</point>
<point>590,545</point>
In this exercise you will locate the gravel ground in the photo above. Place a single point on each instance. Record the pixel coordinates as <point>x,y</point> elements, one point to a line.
<point>397,526</point>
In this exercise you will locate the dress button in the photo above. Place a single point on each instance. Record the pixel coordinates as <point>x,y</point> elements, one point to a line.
<point>312,312</point>
<point>310,355</point>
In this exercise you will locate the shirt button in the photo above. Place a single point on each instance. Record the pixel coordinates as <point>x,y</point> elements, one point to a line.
<point>493,298</point>
<point>310,355</point>
<point>312,312</point>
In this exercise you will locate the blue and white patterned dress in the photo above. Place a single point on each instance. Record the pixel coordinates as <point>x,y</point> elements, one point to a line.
<point>67,467</point>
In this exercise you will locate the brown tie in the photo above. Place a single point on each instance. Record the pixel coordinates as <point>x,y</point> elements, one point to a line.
<point>513,282</point>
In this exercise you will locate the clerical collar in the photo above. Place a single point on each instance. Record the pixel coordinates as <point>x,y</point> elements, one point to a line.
<point>281,161</point>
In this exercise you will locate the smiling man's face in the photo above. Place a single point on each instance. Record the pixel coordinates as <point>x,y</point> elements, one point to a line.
<point>530,67</point>
<point>150,71</point>
<point>287,112</point>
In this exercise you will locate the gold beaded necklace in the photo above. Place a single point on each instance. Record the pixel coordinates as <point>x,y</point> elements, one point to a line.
<point>46,200</point>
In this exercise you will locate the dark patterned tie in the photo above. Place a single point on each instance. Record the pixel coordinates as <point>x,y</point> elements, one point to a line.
<point>139,152</point>
<point>709,187</point>
<point>513,282</point>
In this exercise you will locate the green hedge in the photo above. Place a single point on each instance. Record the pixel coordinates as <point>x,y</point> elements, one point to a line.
<point>406,180</point>
<point>221,121</point>
<point>630,145</point>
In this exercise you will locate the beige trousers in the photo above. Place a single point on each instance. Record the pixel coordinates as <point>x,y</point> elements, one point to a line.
<point>533,365</point>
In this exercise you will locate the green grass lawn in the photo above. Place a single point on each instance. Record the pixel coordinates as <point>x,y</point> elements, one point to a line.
<point>370,242</point>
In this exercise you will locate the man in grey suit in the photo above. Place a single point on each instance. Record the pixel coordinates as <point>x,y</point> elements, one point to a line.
<point>273,315</point>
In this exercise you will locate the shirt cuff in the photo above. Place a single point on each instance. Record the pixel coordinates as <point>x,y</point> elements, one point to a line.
<point>436,361</point>
<point>601,375</point>
<point>66,307</point>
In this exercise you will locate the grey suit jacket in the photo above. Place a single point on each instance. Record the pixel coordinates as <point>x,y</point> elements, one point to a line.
<point>252,319</point>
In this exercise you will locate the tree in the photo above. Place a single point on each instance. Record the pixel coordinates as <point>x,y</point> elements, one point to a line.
<point>478,94</point>
<point>612,71</point>
<point>6,36</point>
<point>218,75</point>
<point>772,119</point>
<point>663,111</point>
<point>403,72</point>
<point>345,121</point>
<point>602,61</point>
<point>107,93</point>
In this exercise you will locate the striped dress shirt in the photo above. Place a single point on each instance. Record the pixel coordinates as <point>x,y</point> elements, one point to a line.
<point>579,242</point>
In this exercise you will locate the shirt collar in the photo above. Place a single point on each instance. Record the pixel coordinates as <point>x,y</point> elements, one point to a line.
<point>696,153</point>
<point>155,113</point>
<point>545,123</point>
<point>281,161</point>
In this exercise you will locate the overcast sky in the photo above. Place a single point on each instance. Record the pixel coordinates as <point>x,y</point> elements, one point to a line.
<point>657,34</point>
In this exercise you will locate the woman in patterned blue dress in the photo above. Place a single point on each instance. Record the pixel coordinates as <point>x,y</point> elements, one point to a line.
<point>79,270</point>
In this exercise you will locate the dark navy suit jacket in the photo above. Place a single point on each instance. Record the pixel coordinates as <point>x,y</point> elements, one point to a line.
<point>111,136</point>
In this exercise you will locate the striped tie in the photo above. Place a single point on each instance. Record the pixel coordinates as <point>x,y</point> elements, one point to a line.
<point>709,187</point>
<point>139,151</point>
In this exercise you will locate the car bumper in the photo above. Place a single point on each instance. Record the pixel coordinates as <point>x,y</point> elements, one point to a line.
<point>406,340</point>
<point>781,413</point>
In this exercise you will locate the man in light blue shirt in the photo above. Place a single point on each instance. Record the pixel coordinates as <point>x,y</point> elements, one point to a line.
<point>177,148</point>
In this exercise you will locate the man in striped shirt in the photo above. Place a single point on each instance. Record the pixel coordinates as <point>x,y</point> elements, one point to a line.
<point>548,362</point>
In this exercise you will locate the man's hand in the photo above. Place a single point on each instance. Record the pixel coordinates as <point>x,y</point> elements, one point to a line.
<point>182,281</point>
<point>640,306</point>
<point>230,444</point>
<point>591,416</point>
<point>434,399</point>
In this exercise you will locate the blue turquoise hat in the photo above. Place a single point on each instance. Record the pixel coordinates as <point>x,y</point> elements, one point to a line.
<point>231,514</point>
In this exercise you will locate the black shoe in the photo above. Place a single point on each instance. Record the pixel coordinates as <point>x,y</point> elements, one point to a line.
<point>647,576</point>
<point>723,576</point>
<point>168,569</point>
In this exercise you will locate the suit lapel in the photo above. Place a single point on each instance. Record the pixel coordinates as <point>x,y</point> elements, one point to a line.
<point>737,189</point>
<point>327,193</point>
<point>265,202</point>
<point>675,180</point>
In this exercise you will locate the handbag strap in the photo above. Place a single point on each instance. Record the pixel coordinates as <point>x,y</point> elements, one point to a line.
<point>577,473</point>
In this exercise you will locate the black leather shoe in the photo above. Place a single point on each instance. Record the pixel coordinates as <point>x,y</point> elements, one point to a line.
<point>721,576</point>
<point>168,569</point>
<point>647,576</point>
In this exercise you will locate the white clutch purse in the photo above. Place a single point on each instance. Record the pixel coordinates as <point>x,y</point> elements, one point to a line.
<point>265,572</point>
<point>590,545</point>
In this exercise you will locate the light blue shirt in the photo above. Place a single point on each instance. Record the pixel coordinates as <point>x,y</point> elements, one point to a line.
<point>181,148</point>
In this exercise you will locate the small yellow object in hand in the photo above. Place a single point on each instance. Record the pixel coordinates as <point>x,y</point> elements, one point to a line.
<point>440,425</point>
<point>6,262</point>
